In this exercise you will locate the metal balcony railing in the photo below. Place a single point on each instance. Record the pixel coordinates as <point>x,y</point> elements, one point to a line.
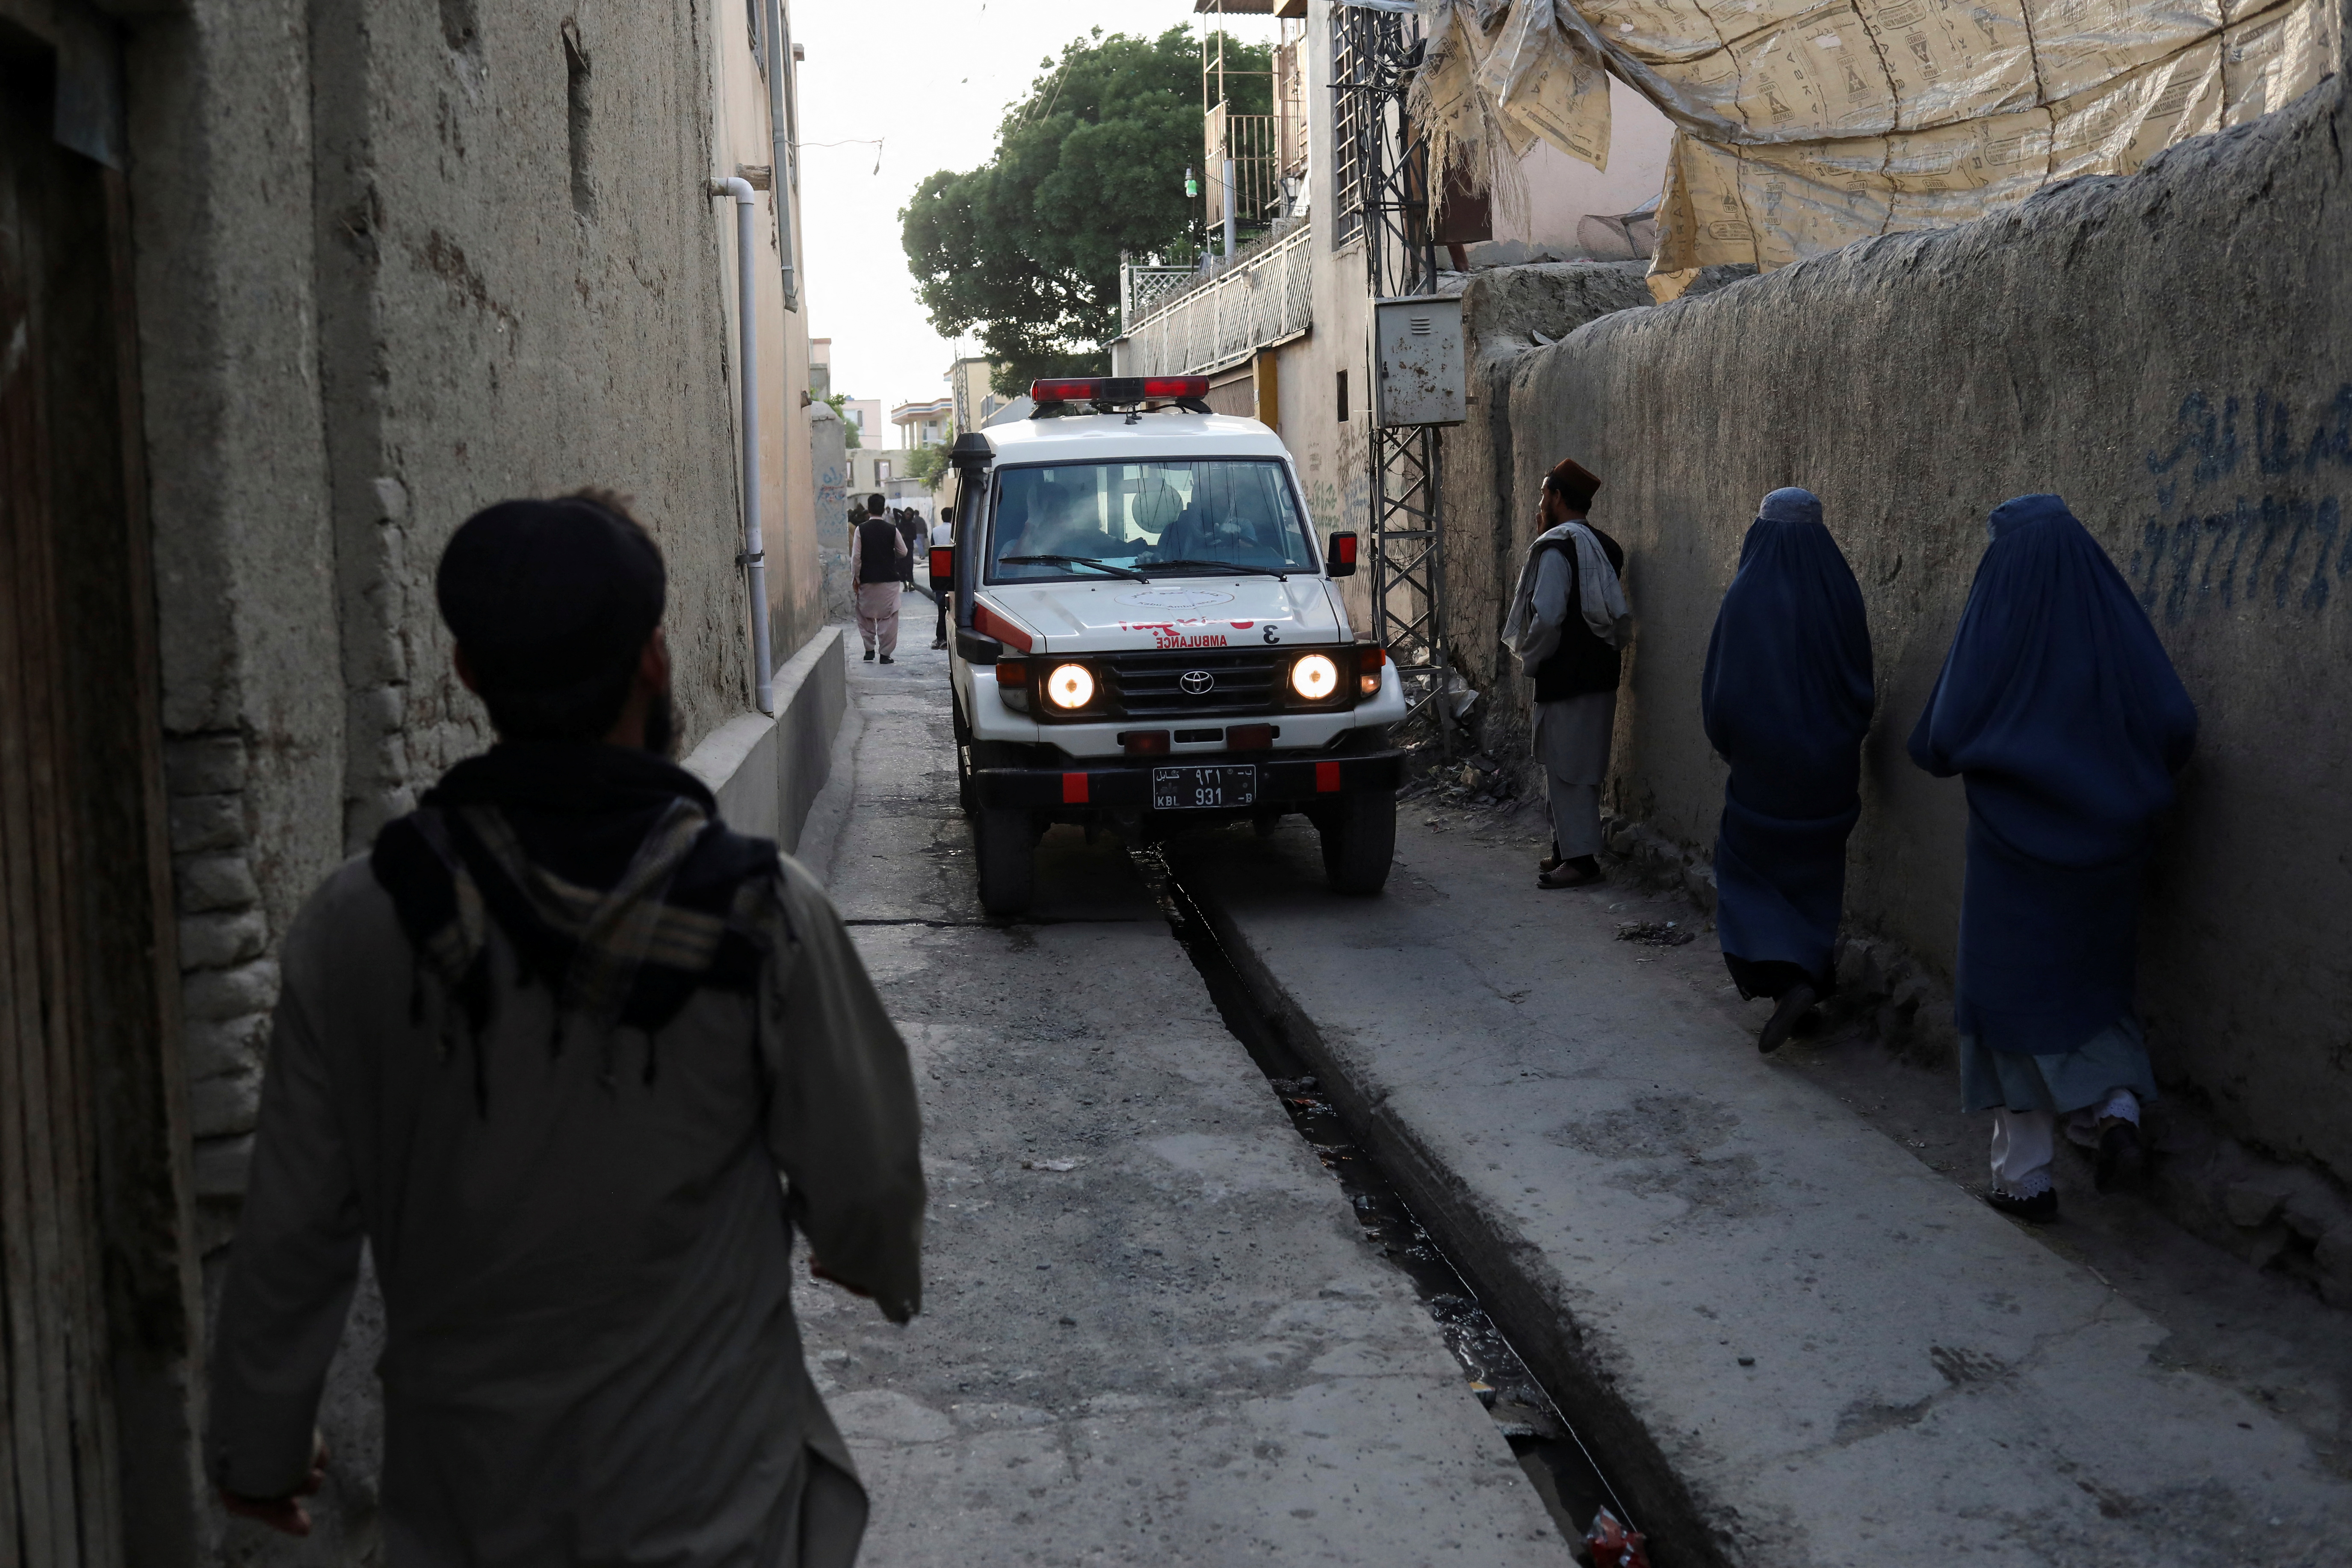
<point>1265,297</point>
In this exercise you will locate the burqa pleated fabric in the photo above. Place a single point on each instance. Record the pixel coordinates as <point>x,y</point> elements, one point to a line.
<point>2060,710</point>
<point>1786,701</point>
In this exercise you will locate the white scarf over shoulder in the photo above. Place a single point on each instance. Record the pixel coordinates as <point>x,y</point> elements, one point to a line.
<point>1602,598</point>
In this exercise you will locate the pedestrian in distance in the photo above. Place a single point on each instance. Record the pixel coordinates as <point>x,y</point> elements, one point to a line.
<point>911,528</point>
<point>573,1061</point>
<point>1568,628</point>
<point>878,567</point>
<point>943,538</point>
<point>2061,712</point>
<point>1785,699</point>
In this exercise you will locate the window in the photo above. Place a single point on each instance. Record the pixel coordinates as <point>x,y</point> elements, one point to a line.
<point>881,470</point>
<point>1216,511</point>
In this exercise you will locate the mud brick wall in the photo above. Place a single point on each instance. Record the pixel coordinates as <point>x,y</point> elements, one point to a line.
<point>2173,353</point>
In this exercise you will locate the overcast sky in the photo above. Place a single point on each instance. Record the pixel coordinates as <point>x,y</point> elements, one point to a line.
<point>930,78</point>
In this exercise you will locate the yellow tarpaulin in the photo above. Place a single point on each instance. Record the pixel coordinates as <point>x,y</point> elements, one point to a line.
<point>1802,126</point>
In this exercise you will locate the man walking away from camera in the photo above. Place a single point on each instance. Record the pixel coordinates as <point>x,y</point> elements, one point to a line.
<point>573,1061</point>
<point>876,564</point>
<point>1569,626</point>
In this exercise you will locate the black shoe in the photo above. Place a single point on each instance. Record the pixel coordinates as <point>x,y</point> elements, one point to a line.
<point>937,643</point>
<point>870,656</point>
<point>1794,1005</point>
<point>2038,1209</point>
<point>2122,1160</point>
<point>888,660</point>
<point>1580,872</point>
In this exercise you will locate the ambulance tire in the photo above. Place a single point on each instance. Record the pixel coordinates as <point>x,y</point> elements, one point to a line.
<point>1006,843</point>
<point>1358,834</point>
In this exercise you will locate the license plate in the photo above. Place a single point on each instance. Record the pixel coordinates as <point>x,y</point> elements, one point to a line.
<point>1197,789</point>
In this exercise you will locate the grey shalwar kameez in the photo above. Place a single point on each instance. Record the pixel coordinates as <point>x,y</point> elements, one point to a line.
<point>585,1256</point>
<point>1571,734</point>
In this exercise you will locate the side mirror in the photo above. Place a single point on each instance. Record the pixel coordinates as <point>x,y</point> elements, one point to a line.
<point>942,561</point>
<point>1340,559</point>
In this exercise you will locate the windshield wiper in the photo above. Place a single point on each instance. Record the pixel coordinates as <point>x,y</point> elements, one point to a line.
<point>1070,561</point>
<point>1234,566</point>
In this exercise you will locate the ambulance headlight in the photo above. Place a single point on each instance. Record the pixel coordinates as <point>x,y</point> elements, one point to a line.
<point>1070,686</point>
<point>1314,676</point>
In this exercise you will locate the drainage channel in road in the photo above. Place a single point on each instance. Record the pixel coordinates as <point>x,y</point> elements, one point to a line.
<point>1555,1460</point>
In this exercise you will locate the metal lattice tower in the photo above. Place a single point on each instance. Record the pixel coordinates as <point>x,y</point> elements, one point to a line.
<point>1384,195</point>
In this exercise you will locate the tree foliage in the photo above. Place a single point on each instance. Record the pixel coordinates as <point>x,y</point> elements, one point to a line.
<point>1025,247</point>
<point>927,463</point>
<point>839,403</point>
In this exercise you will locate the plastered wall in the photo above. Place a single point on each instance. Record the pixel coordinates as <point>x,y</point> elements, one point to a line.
<point>395,261</point>
<point>522,291</point>
<point>2173,353</point>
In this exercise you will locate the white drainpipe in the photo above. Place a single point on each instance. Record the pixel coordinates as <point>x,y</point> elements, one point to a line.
<point>1229,209</point>
<point>754,558</point>
<point>780,138</point>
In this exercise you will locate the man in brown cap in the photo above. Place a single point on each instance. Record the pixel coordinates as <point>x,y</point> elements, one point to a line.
<point>1568,628</point>
<point>573,1061</point>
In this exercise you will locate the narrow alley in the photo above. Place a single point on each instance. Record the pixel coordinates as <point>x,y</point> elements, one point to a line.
<point>1129,782</point>
<point>1153,1331</point>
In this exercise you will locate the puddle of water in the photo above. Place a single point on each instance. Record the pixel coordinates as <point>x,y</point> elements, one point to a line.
<point>1555,1460</point>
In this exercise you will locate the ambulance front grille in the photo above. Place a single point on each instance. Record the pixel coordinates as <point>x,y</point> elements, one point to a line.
<point>1152,685</point>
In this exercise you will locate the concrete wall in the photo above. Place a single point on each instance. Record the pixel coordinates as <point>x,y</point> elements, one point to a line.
<point>828,467</point>
<point>767,772</point>
<point>742,141</point>
<point>523,290</point>
<point>2173,353</point>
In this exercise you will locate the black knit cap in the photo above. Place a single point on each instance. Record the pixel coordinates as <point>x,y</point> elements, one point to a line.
<point>545,595</point>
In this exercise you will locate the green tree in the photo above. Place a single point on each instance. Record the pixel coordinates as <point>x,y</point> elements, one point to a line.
<point>1025,247</point>
<point>839,403</point>
<point>924,464</point>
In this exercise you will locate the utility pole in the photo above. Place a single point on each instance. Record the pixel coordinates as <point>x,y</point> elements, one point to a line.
<point>1383,168</point>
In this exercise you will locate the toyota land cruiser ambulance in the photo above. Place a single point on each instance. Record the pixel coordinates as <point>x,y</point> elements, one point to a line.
<point>1149,636</point>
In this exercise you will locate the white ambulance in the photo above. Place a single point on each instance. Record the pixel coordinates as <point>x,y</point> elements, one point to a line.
<point>1147,636</point>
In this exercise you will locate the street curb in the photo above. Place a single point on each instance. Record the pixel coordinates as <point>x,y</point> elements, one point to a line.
<point>1519,1290</point>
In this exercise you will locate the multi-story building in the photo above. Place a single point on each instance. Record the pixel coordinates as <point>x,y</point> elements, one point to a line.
<point>863,414</point>
<point>928,423</point>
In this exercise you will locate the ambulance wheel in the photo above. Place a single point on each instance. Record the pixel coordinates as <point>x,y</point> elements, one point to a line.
<point>1006,843</point>
<point>1358,834</point>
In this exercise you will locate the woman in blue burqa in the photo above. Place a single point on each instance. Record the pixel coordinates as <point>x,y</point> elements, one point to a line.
<point>1786,702</point>
<point>2060,710</point>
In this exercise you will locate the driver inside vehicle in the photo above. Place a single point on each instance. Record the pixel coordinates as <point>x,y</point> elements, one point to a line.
<point>1206,530</point>
<point>1070,526</point>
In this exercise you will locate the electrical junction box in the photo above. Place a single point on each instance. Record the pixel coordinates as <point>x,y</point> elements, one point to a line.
<point>1417,368</point>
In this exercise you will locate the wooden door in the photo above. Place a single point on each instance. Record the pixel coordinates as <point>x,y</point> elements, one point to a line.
<point>58,1481</point>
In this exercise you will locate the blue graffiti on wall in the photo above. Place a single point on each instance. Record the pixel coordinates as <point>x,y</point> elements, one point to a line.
<point>2285,546</point>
